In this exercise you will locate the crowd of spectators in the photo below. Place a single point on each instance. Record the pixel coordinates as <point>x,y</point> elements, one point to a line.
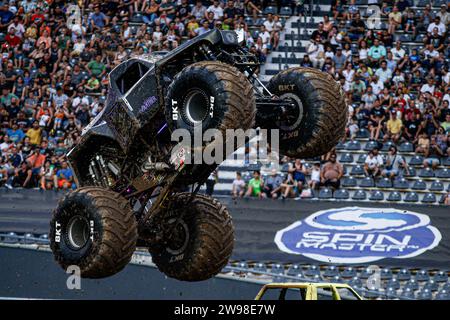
<point>395,92</point>
<point>55,58</point>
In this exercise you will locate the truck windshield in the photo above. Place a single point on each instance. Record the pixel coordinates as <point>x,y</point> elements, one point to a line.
<point>129,78</point>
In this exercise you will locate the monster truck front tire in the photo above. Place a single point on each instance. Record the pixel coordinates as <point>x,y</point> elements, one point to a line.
<point>202,241</point>
<point>94,229</point>
<point>320,120</point>
<point>212,94</point>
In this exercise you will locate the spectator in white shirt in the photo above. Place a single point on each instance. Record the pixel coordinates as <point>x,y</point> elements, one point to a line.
<point>429,86</point>
<point>398,52</point>
<point>437,24</point>
<point>216,9</point>
<point>373,163</point>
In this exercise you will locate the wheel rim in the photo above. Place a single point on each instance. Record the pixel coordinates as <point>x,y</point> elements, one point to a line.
<point>179,238</point>
<point>78,232</point>
<point>293,117</point>
<point>196,106</point>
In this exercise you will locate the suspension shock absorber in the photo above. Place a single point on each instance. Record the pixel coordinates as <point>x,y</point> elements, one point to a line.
<point>204,49</point>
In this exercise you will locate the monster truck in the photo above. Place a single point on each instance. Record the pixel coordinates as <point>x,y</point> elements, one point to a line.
<point>135,189</point>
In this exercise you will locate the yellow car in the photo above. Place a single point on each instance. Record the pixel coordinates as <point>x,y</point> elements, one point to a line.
<point>307,291</point>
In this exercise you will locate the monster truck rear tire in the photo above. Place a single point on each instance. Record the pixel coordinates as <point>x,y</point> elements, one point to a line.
<point>95,229</point>
<point>322,110</point>
<point>212,94</point>
<point>208,242</point>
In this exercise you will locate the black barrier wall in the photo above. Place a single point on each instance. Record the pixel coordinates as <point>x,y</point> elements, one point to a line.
<point>385,234</point>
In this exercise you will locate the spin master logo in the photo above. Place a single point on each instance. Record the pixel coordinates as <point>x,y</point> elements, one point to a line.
<point>358,235</point>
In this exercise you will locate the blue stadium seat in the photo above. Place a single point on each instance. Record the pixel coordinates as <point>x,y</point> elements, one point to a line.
<point>357,170</point>
<point>408,293</point>
<point>376,195</point>
<point>431,285</point>
<point>443,173</point>
<point>419,185</point>
<point>340,146</point>
<point>411,197</point>
<point>411,172</point>
<point>437,186</point>
<point>346,158</point>
<point>367,182</point>
<point>394,196</point>
<point>426,173</point>
<point>412,284</point>
<point>349,182</point>
<point>337,279</point>
<point>446,161</point>
<point>422,275</point>
<point>260,267</point>
<point>311,271</point>
<point>390,293</point>
<point>355,282</point>
<point>348,272</point>
<point>341,194</point>
<point>416,160</point>
<point>387,145</point>
<point>393,283</point>
<point>137,18</point>
<point>359,195</point>
<point>363,133</point>
<point>361,158</point>
<point>325,193</point>
<point>270,9</point>
<point>353,145</point>
<point>295,270</point>
<point>384,183</point>
<point>440,276</point>
<point>429,198</point>
<point>248,21</point>
<point>27,238</point>
<point>401,183</point>
<point>404,275</point>
<point>330,271</point>
<point>43,238</point>
<point>285,11</point>
<point>11,237</point>
<point>370,145</point>
<point>277,268</point>
<point>406,147</point>
<point>386,274</point>
<point>366,273</point>
<point>425,294</point>
<point>442,295</point>
<point>242,265</point>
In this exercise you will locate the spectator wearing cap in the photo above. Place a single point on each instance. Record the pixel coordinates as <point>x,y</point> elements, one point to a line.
<point>443,15</point>
<point>272,185</point>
